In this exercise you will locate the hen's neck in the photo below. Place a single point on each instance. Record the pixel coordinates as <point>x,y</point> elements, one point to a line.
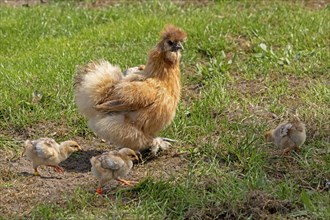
<point>167,71</point>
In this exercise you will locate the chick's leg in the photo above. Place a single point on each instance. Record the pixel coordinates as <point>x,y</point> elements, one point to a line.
<point>290,148</point>
<point>57,169</point>
<point>99,189</point>
<point>36,173</point>
<point>126,182</point>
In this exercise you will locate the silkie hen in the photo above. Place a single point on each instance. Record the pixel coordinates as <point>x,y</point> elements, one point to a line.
<point>45,151</point>
<point>129,111</point>
<point>112,165</point>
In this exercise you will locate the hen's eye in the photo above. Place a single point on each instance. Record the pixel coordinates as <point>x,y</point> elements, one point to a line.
<point>170,43</point>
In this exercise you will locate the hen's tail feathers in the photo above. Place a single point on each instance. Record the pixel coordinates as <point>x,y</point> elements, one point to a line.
<point>99,68</point>
<point>92,83</point>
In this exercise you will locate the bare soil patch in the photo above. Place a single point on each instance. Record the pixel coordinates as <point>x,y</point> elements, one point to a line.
<point>21,192</point>
<point>256,205</point>
<point>316,4</point>
<point>24,3</point>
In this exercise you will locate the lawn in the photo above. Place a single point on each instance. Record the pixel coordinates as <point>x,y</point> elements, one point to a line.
<point>246,67</point>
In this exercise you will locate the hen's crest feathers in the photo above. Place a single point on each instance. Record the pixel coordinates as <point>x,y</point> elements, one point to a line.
<point>174,33</point>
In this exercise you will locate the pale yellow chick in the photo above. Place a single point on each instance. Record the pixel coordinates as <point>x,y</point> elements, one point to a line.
<point>287,136</point>
<point>112,165</point>
<point>45,151</point>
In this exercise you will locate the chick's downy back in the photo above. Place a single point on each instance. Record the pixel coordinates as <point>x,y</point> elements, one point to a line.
<point>113,164</point>
<point>288,133</point>
<point>46,151</point>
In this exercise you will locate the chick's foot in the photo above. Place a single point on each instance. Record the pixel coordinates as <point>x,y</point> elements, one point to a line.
<point>126,182</point>
<point>99,191</point>
<point>57,169</point>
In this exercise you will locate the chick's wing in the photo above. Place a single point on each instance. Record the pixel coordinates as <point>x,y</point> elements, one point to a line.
<point>129,96</point>
<point>112,162</point>
<point>284,129</point>
<point>44,150</point>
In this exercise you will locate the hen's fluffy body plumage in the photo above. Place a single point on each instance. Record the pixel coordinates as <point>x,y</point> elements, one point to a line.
<point>45,151</point>
<point>130,110</point>
<point>288,136</point>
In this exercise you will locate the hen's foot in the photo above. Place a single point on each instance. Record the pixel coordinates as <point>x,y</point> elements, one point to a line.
<point>160,143</point>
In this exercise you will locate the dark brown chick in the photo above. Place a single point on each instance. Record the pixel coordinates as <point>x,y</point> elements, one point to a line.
<point>287,136</point>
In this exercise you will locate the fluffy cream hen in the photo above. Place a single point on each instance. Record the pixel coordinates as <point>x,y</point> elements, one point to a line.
<point>45,151</point>
<point>129,111</point>
<point>112,165</point>
<point>287,136</point>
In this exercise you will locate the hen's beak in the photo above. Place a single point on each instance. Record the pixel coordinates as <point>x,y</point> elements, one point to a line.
<point>177,47</point>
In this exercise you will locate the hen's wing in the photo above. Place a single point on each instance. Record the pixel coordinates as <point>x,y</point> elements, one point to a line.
<point>130,96</point>
<point>111,161</point>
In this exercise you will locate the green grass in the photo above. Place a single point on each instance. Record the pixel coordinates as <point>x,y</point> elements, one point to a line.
<point>246,58</point>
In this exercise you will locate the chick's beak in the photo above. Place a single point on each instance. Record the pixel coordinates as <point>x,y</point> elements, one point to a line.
<point>79,147</point>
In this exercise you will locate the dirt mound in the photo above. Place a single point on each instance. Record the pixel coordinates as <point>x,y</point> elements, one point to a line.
<point>257,205</point>
<point>260,205</point>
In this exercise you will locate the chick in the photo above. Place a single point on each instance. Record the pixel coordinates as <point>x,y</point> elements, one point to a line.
<point>287,136</point>
<point>112,165</point>
<point>45,151</point>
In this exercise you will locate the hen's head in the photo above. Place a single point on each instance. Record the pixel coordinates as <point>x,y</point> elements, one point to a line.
<point>172,38</point>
